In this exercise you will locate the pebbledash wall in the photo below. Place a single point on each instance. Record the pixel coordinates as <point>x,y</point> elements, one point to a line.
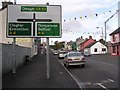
<point>6,56</point>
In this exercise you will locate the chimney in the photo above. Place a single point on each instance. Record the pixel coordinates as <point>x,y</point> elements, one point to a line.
<point>81,37</point>
<point>90,37</point>
<point>5,3</point>
<point>86,38</point>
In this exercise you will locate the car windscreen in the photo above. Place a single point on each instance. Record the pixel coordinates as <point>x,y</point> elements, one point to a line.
<point>74,54</point>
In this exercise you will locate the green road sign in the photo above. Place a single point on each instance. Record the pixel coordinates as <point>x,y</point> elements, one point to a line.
<point>34,21</point>
<point>33,9</point>
<point>48,29</point>
<point>19,29</point>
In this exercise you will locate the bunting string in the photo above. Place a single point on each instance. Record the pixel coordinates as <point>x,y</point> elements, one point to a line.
<point>90,16</point>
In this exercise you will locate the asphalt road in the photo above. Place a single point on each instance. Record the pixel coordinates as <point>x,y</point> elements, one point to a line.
<point>101,71</point>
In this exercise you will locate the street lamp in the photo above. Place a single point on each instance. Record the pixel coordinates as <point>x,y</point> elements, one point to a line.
<point>102,30</point>
<point>106,23</point>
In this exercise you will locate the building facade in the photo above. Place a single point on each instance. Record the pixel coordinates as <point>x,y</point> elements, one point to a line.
<point>96,48</point>
<point>78,42</point>
<point>115,42</point>
<point>86,43</point>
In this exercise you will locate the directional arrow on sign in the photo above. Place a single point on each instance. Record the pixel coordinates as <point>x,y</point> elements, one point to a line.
<point>34,20</point>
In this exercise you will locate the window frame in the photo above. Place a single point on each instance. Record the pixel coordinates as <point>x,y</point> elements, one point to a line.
<point>95,50</point>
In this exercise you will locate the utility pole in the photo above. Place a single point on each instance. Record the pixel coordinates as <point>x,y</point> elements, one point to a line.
<point>106,23</point>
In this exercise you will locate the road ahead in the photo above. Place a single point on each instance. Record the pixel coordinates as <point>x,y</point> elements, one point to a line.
<point>101,71</point>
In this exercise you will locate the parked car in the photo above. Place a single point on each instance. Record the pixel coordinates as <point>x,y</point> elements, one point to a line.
<point>55,52</point>
<point>74,58</point>
<point>87,54</point>
<point>62,54</point>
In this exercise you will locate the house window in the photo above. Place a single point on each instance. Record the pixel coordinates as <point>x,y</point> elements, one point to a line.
<point>119,37</point>
<point>95,50</point>
<point>103,49</point>
<point>113,49</point>
<point>114,39</point>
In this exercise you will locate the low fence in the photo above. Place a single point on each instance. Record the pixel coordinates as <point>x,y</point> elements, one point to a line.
<point>6,56</point>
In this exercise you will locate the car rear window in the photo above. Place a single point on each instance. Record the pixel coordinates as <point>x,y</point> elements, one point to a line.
<point>74,54</point>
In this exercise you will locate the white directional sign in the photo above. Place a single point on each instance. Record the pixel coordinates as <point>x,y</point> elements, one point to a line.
<point>34,21</point>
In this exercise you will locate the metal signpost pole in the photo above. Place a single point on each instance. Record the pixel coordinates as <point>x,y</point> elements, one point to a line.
<point>14,59</point>
<point>48,60</point>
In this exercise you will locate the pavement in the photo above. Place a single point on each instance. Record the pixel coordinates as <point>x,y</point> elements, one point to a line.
<point>34,75</point>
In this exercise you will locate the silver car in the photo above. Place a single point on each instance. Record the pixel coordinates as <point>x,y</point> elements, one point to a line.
<point>62,54</point>
<point>74,58</point>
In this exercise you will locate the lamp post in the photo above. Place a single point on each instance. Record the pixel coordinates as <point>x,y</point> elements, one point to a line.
<point>102,30</point>
<point>106,23</point>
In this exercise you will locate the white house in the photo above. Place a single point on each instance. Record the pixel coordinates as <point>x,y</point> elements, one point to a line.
<point>96,48</point>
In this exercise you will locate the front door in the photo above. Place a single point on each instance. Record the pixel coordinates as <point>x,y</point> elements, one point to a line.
<point>117,50</point>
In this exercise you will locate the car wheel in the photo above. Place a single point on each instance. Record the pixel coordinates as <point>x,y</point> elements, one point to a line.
<point>83,65</point>
<point>66,65</point>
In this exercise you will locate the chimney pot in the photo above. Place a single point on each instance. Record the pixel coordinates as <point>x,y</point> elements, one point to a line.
<point>90,37</point>
<point>5,3</point>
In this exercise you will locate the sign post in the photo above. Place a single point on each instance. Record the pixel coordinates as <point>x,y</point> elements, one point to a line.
<point>14,58</point>
<point>34,21</point>
<point>48,60</point>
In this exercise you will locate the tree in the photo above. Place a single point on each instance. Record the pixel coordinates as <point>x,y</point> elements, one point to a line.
<point>58,45</point>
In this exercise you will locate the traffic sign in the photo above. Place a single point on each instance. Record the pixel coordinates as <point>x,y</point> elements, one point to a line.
<point>34,21</point>
<point>16,29</point>
<point>33,9</point>
<point>48,29</point>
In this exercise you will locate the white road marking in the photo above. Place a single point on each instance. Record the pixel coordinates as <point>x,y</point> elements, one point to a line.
<point>110,80</point>
<point>79,85</point>
<point>100,84</point>
<point>86,83</point>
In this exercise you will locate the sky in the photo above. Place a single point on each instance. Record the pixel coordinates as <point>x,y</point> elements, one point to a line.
<point>79,17</point>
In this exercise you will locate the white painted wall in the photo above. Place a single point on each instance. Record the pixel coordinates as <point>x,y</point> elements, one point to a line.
<point>99,47</point>
<point>3,23</point>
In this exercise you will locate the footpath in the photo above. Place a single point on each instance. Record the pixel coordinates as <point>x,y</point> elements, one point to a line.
<point>34,75</point>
